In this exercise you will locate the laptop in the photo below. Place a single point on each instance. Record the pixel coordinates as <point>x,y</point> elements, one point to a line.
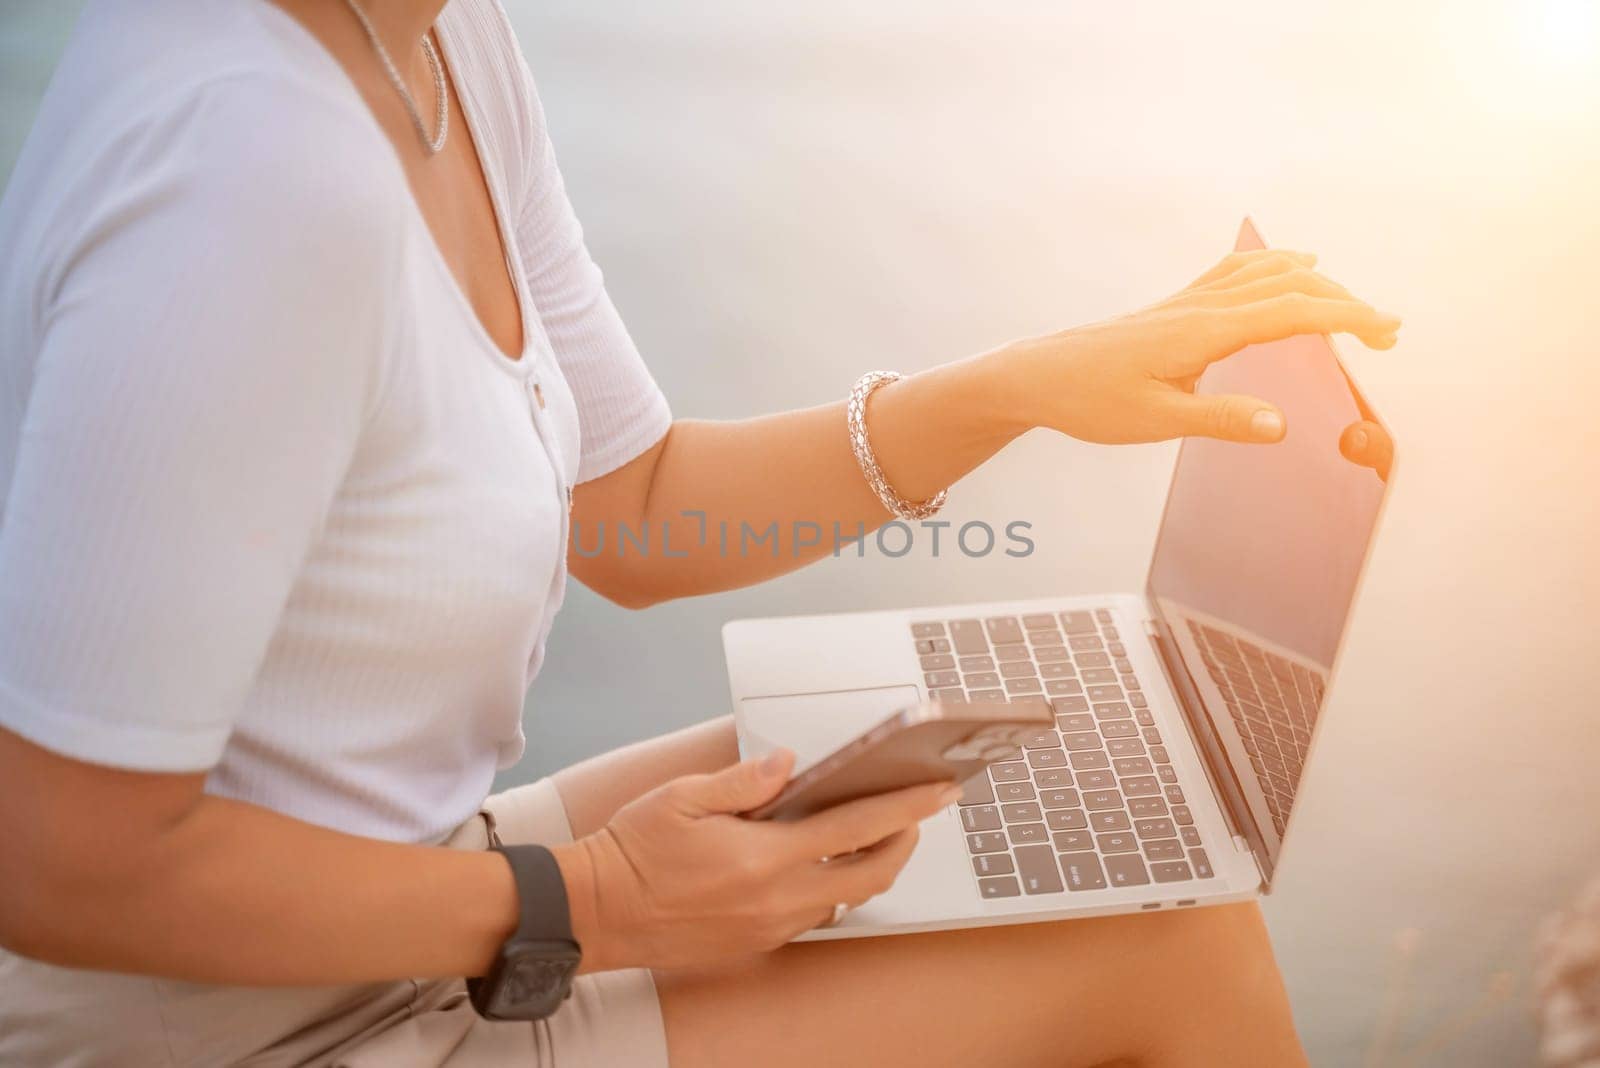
<point>1186,714</point>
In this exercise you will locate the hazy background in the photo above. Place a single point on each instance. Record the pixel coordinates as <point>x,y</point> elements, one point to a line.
<point>784,198</point>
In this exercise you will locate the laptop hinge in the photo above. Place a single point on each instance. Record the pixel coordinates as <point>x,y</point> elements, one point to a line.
<point>1219,770</point>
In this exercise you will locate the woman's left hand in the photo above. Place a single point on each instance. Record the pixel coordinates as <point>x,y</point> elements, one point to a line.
<point>1132,379</point>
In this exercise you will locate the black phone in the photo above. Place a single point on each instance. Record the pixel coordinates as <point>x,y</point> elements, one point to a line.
<point>939,741</point>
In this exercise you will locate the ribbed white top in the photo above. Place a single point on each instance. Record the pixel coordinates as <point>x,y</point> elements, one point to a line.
<point>274,504</point>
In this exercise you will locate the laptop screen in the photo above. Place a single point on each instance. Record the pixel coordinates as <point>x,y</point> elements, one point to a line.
<point>1258,557</point>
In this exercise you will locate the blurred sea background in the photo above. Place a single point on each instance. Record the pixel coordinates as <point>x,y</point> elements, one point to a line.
<point>784,196</point>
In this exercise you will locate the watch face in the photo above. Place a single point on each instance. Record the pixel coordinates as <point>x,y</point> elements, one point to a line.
<point>535,978</point>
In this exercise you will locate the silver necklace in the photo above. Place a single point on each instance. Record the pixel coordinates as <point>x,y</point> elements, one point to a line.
<point>441,119</point>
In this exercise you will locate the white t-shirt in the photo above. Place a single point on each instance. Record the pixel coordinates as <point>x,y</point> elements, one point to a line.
<point>274,504</point>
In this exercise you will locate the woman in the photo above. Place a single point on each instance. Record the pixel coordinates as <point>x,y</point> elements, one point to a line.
<point>307,373</point>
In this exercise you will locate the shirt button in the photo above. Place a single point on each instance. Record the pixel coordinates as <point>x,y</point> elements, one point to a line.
<point>538,395</point>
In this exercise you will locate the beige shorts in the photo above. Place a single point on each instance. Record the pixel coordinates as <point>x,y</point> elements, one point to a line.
<point>64,1017</point>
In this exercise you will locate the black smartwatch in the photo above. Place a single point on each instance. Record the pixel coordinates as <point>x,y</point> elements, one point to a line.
<point>532,975</point>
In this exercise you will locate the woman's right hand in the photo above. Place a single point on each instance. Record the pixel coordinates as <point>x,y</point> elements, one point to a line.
<point>678,878</point>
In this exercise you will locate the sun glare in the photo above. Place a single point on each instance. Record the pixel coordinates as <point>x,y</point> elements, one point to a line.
<point>1565,32</point>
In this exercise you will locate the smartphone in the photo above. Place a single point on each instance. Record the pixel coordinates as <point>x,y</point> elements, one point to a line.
<point>940,741</point>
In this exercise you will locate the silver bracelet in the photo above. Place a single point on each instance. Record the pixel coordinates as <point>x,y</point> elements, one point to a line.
<point>856,420</point>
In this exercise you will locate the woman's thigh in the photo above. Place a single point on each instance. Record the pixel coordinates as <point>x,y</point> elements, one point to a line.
<point>594,789</point>
<point>1184,988</point>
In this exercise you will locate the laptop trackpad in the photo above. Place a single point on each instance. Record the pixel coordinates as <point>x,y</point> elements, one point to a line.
<point>815,724</point>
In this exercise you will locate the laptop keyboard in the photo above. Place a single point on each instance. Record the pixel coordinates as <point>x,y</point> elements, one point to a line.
<point>1274,704</point>
<point>1091,804</point>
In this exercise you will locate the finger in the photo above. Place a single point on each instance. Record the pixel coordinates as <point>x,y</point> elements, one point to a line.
<point>1300,280</point>
<point>1266,263</point>
<point>1296,313</point>
<point>858,824</point>
<point>1235,261</point>
<point>1366,444</point>
<point>860,877</point>
<point>1227,417</point>
<point>736,788</point>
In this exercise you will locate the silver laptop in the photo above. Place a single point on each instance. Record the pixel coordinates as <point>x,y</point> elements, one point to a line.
<point>1185,715</point>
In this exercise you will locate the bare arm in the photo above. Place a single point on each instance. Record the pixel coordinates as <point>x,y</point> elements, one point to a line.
<point>141,872</point>
<point>780,486</point>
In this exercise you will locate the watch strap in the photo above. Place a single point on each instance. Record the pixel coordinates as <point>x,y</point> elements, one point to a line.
<point>543,909</point>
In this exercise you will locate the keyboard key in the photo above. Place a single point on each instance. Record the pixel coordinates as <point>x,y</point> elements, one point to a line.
<point>1163,849</point>
<point>1132,765</point>
<point>1146,807</point>
<point>1153,828</point>
<point>1029,685</point>
<point>1066,819</point>
<point>954,693</point>
<point>1141,786</point>
<point>1113,820</point>
<point>1151,736</point>
<point>1191,837</point>
<point>1058,670</point>
<point>1003,653</point>
<point>1119,728</point>
<point>1174,794</point>
<point>1090,761</point>
<point>1167,773</point>
<point>1036,865</point>
<point>1047,758</point>
<point>1112,710</point>
<point>1008,772</point>
<point>1085,643</point>
<point>1021,812</point>
<point>993,864</point>
<point>1059,799</point>
<point>1052,778</point>
<point>1080,741</point>
<point>1092,660</point>
<point>1027,833</point>
<point>1121,842</point>
<point>1138,700</point>
<point>1096,780</point>
<point>1080,721</point>
<point>1182,814</point>
<point>1003,629</point>
<point>968,637</point>
<point>1144,717</point>
<point>1051,654</point>
<point>987,842</point>
<point>1202,863</point>
<point>986,695</point>
<point>1003,886</point>
<point>1114,647</point>
<point>982,680</point>
<point>1016,669</point>
<point>1108,632</point>
<point>1103,614</point>
<point>1035,622</point>
<point>1066,706</point>
<point>1102,799</point>
<point>1083,871</point>
<point>1104,678</point>
<point>981,818</point>
<point>1064,688</point>
<point>1078,623</point>
<point>977,663</point>
<point>1103,693</point>
<point>1126,869</point>
<point>927,630</point>
<point>942,678</point>
<point>1158,753</point>
<point>1125,747</point>
<point>1014,791</point>
<point>1130,683</point>
<point>1171,871</point>
<point>977,791</point>
<point>938,662</point>
<point>1072,841</point>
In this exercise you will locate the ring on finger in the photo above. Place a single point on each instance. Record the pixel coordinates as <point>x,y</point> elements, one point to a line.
<point>838,914</point>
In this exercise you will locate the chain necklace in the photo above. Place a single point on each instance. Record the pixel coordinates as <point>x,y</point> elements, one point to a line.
<point>441,121</point>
